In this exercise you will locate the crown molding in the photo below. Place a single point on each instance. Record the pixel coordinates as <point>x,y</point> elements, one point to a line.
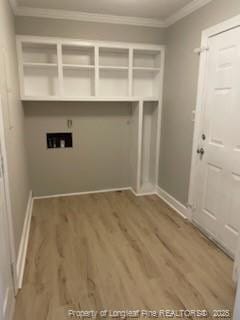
<point>185,11</point>
<point>105,18</point>
<point>14,5</point>
<point>89,17</point>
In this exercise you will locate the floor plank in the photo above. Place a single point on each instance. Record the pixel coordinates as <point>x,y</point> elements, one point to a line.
<point>119,252</point>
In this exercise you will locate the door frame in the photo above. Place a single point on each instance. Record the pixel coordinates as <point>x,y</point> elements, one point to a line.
<point>201,99</point>
<point>8,201</point>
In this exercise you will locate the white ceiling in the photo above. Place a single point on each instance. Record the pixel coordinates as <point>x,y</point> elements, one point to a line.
<point>150,13</point>
<point>155,9</point>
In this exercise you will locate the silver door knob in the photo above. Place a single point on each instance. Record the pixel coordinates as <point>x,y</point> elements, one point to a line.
<point>200,151</point>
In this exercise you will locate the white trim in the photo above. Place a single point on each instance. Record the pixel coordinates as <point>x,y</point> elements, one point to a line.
<point>160,108</point>
<point>222,27</point>
<point>90,98</point>
<point>24,242</point>
<point>7,301</point>
<point>9,305</point>
<point>89,43</point>
<point>139,144</point>
<point>88,17</point>
<point>105,18</point>
<point>197,126</point>
<point>209,236</point>
<point>81,193</point>
<point>172,202</point>
<point>142,194</point>
<point>236,314</point>
<point>61,195</point>
<point>14,5</point>
<point>206,34</point>
<point>8,199</point>
<point>185,11</point>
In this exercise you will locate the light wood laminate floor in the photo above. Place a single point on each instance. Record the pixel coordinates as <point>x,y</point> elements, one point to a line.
<point>120,252</point>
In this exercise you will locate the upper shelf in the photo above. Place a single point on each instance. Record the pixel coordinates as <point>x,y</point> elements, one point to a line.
<point>77,55</point>
<point>60,69</point>
<point>39,53</point>
<point>40,65</point>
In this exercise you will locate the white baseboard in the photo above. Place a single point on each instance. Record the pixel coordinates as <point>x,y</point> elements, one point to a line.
<point>21,259</point>
<point>82,193</point>
<point>8,305</point>
<point>141,194</point>
<point>172,202</point>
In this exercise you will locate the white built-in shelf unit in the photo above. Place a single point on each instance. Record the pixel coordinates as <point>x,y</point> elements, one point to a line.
<point>53,69</point>
<point>63,69</point>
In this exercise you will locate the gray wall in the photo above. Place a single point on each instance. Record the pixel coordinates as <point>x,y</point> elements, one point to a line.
<point>180,89</point>
<point>88,30</point>
<point>13,114</point>
<point>100,158</point>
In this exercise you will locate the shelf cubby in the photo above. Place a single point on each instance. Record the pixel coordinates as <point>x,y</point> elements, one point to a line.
<point>113,57</point>
<point>146,83</point>
<point>77,55</point>
<point>39,53</point>
<point>149,156</point>
<point>78,82</point>
<point>113,82</point>
<point>40,81</point>
<point>146,59</point>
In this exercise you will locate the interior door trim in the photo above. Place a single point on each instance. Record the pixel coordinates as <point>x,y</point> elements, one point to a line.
<point>8,201</point>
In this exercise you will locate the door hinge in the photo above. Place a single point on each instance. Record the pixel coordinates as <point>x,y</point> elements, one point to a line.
<point>201,50</point>
<point>2,164</point>
<point>1,167</point>
<point>12,271</point>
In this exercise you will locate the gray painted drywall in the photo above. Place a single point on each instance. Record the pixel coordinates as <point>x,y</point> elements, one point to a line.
<point>100,158</point>
<point>88,30</point>
<point>13,115</point>
<point>180,90</point>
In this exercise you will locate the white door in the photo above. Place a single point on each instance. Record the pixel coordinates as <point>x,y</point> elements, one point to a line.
<point>6,281</point>
<point>218,174</point>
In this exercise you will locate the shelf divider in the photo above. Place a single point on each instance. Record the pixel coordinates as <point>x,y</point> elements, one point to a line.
<point>96,60</point>
<point>40,65</point>
<point>60,69</point>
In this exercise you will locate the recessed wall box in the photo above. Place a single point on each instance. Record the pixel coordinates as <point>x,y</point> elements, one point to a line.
<point>59,140</point>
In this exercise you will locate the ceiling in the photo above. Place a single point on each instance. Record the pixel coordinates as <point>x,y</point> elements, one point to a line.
<point>158,13</point>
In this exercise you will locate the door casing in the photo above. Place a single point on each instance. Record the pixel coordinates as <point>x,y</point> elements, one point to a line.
<point>8,201</point>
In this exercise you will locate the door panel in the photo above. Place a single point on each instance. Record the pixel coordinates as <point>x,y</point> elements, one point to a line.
<point>218,177</point>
